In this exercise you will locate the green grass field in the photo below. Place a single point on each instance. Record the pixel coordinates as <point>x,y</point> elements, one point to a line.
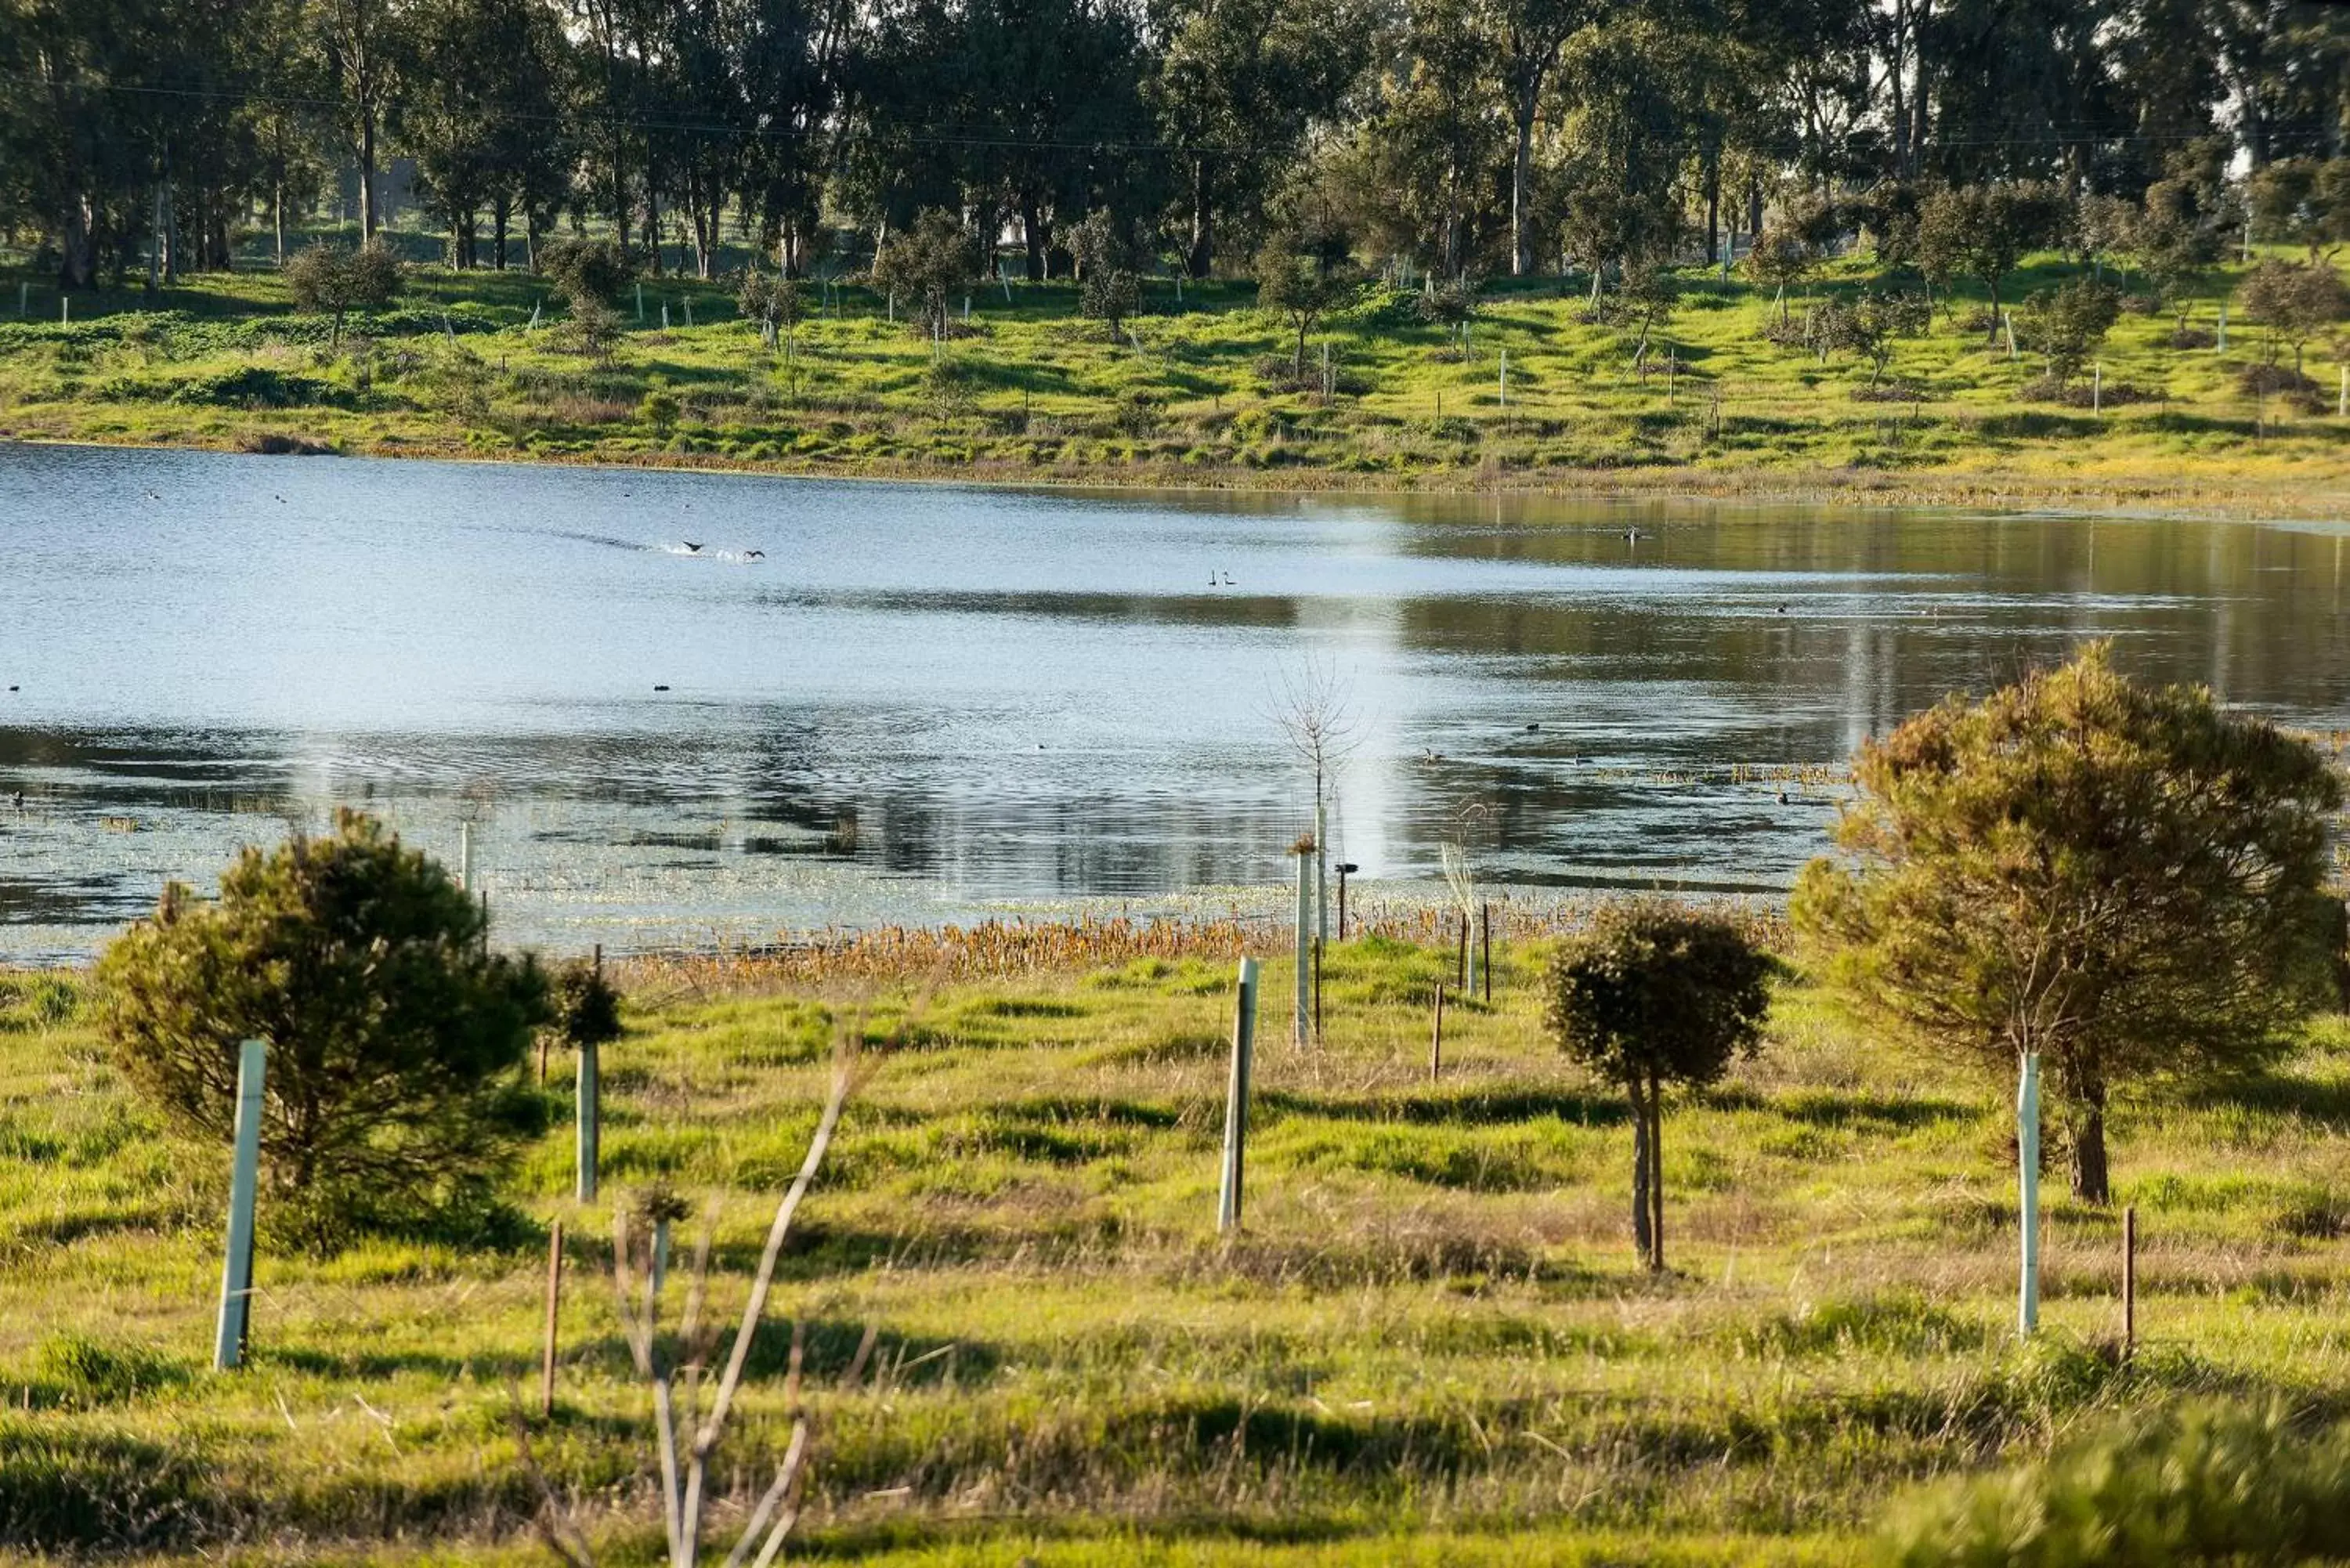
<point>1432,1347</point>
<point>1193,396</point>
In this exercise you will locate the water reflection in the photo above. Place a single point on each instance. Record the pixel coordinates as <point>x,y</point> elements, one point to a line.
<point>925,702</point>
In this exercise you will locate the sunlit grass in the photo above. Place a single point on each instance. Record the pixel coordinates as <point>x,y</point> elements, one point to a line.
<point>1432,1340</point>
<point>1032,392</point>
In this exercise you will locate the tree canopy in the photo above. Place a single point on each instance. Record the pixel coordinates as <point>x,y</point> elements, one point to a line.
<point>2126,879</point>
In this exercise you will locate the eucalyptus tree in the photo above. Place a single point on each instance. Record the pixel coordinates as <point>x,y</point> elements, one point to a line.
<point>1238,87</point>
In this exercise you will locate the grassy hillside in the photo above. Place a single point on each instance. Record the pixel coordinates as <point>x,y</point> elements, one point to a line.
<point>1194,395</point>
<point>1432,1347</point>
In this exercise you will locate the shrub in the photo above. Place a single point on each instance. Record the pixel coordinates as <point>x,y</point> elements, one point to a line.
<point>2123,880</point>
<point>393,1031</point>
<point>1656,993</point>
<point>2204,1484</point>
<point>327,281</point>
<point>587,270</point>
<point>2067,324</point>
<point>2295,302</point>
<point>584,1007</point>
<point>925,266</point>
<point>1299,290</point>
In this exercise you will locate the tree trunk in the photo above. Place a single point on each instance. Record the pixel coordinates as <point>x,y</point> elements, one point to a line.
<point>1644,1238</point>
<point>500,218</point>
<point>1657,1178</point>
<point>155,242</point>
<point>1713,202</point>
<point>1202,254</point>
<point>1992,282</point>
<point>2091,1183</point>
<point>1032,235</point>
<point>367,219</point>
<point>1522,180</point>
<point>78,246</point>
<point>277,216</point>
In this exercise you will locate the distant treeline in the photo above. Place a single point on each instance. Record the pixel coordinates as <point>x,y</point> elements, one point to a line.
<point>1450,136</point>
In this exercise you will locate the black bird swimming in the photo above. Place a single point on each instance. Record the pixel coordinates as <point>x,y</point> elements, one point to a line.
<point>754,554</point>
<point>692,547</point>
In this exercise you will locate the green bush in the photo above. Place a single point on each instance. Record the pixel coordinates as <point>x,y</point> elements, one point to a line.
<point>2203,1484</point>
<point>1655,993</point>
<point>2127,880</point>
<point>394,1033</point>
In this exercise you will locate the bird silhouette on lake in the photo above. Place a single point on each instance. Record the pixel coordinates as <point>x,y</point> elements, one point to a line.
<point>690,547</point>
<point>754,554</point>
<point>1228,580</point>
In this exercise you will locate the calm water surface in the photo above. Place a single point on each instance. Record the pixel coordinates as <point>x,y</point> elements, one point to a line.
<point>925,704</point>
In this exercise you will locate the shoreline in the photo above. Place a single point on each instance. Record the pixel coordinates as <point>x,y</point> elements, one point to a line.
<point>2130,495</point>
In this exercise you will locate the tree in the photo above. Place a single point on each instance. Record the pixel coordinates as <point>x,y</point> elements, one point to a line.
<point>2294,301</point>
<point>326,280</point>
<point>1656,993</point>
<point>1533,33</point>
<point>1984,231</point>
<point>2303,201</point>
<point>1108,289</point>
<point>362,42</point>
<point>585,270</point>
<point>1299,290</point>
<point>1868,325</point>
<point>2068,323</point>
<point>2123,878</point>
<point>1239,84</point>
<point>925,266</point>
<point>771,299</point>
<point>2176,239</point>
<point>1781,259</point>
<point>394,1032</point>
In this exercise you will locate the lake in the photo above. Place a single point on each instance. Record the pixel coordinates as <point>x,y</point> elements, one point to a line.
<point>859,702</point>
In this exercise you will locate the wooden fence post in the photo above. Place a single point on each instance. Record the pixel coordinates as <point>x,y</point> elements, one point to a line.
<point>1486,946</point>
<point>1460,960</point>
<point>554,1307</point>
<point>244,1180</point>
<point>1236,1096</point>
<point>2129,1281</point>
<point>1436,1038</point>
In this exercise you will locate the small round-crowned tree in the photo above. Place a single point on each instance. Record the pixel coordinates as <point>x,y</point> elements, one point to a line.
<point>2123,878</point>
<point>394,1033</point>
<point>1657,994</point>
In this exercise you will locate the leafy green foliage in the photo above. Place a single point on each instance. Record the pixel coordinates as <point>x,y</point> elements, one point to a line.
<point>326,280</point>
<point>771,299</point>
<point>587,270</point>
<point>1299,290</point>
<point>1655,993</point>
<point>585,1006</point>
<point>2123,878</point>
<point>2198,1484</point>
<point>393,1031</point>
<point>2066,325</point>
<point>2294,301</point>
<point>1868,325</point>
<point>1984,231</point>
<point>925,266</point>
